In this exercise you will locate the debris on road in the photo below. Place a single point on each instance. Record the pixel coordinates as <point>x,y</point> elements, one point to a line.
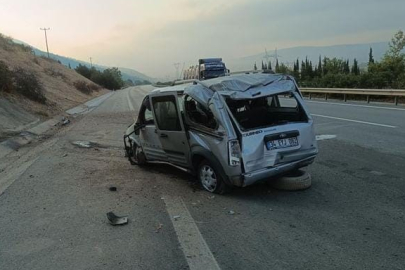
<point>65,121</point>
<point>112,188</point>
<point>64,155</point>
<point>176,217</point>
<point>231,212</point>
<point>160,227</point>
<point>211,197</point>
<point>116,220</point>
<point>85,144</point>
<point>325,137</point>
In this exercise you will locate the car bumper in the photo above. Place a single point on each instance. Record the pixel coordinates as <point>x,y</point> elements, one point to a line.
<point>264,174</point>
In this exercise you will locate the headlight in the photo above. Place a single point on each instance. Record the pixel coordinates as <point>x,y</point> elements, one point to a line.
<point>234,153</point>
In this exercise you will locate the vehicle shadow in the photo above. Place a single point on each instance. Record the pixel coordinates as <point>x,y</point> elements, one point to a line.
<point>257,192</point>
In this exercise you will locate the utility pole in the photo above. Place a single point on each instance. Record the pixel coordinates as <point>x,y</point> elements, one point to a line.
<point>46,38</point>
<point>177,66</point>
<point>91,62</point>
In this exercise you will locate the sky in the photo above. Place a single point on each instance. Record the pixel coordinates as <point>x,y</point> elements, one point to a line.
<point>151,35</point>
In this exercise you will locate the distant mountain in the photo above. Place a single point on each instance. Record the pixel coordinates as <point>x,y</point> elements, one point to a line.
<point>127,73</point>
<point>289,55</point>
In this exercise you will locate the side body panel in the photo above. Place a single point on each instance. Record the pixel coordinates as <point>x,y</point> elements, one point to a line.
<point>174,141</point>
<point>151,145</point>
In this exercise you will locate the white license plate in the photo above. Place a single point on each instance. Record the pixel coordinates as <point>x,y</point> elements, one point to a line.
<point>282,143</point>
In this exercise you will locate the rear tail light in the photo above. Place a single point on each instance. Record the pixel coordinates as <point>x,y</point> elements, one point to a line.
<point>234,153</point>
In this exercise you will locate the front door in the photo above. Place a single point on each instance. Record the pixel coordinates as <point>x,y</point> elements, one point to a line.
<point>170,128</point>
<point>148,134</point>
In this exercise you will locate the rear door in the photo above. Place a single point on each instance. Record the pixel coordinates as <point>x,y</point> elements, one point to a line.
<point>170,128</point>
<point>278,142</point>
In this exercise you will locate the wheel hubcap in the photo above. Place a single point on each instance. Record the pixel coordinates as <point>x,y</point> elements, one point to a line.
<point>208,178</point>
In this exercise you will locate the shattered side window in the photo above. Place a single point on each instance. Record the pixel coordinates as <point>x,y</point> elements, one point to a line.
<point>148,116</point>
<point>145,113</point>
<point>198,114</point>
<point>287,101</point>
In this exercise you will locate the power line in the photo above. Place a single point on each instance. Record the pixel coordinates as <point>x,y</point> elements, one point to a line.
<point>46,38</point>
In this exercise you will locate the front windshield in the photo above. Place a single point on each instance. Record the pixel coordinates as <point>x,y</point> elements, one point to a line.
<point>208,74</point>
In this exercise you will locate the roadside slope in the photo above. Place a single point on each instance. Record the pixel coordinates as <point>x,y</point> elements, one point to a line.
<point>56,81</point>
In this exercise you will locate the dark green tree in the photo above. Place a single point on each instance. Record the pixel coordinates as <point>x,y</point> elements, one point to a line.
<point>255,67</point>
<point>112,78</point>
<point>277,66</point>
<point>397,44</point>
<point>370,57</point>
<point>325,66</point>
<point>346,67</point>
<point>83,70</point>
<point>355,67</point>
<point>320,67</point>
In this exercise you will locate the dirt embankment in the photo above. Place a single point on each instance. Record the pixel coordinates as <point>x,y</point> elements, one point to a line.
<point>24,77</point>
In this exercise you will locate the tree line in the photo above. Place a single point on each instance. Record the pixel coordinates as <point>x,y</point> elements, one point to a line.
<point>340,73</point>
<point>109,78</point>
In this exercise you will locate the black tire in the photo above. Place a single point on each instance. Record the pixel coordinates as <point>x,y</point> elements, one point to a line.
<point>296,180</point>
<point>204,171</point>
<point>137,157</point>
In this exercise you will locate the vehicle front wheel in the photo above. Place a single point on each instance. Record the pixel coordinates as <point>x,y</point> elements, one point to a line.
<point>137,157</point>
<point>210,179</point>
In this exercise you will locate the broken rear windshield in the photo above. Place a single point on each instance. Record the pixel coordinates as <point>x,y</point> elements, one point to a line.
<point>267,111</point>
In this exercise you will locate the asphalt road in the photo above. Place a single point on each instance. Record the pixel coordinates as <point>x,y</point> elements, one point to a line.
<point>56,195</point>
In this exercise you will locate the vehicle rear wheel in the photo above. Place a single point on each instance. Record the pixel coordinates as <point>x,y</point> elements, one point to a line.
<point>210,179</point>
<point>296,180</point>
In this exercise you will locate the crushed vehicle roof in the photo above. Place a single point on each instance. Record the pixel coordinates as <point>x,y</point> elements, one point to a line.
<point>175,88</point>
<point>245,86</point>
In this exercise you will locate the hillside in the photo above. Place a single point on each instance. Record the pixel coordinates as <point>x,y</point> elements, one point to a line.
<point>33,88</point>
<point>127,73</point>
<point>289,55</point>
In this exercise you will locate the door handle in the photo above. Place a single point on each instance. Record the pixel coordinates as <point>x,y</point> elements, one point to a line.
<point>162,135</point>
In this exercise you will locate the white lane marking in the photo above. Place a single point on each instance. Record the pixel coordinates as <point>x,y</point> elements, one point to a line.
<point>355,105</point>
<point>325,137</point>
<point>355,121</point>
<point>195,249</point>
<point>131,107</point>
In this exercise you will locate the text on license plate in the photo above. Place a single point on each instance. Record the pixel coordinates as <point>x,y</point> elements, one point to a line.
<point>282,143</point>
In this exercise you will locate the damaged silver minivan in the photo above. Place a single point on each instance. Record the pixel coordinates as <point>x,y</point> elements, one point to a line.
<point>229,131</point>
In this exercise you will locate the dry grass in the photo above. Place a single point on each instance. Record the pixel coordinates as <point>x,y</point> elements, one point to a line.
<point>56,80</point>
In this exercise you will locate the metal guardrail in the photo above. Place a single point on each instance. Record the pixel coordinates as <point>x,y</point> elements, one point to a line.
<point>327,91</point>
<point>363,92</point>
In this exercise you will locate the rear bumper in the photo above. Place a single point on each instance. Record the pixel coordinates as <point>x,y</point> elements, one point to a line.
<point>263,174</point>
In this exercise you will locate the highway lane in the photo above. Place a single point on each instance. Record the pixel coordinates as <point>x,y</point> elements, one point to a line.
<point>352,216</point>
<point>380,127</point>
